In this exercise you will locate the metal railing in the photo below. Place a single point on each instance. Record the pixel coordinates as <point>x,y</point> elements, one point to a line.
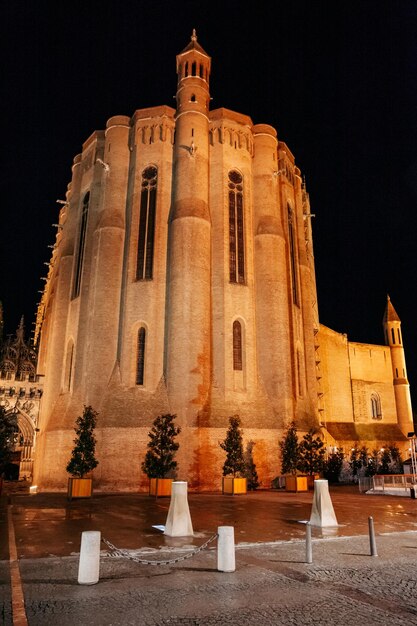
<point>385,482</point>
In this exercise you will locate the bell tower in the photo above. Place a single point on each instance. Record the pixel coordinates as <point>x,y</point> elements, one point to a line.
<point>393,338</point>
<point>188,337</point>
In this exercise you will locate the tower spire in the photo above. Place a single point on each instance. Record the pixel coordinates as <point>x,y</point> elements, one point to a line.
<point>394,339</point>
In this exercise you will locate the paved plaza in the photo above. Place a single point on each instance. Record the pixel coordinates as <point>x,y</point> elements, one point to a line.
<point>272,583</point>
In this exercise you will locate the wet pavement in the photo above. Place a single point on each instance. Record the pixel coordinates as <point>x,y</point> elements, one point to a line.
<point>50,525</point>
<point>272,583</point>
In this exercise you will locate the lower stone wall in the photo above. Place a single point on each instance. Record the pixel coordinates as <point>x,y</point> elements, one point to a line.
<point>121,451</point>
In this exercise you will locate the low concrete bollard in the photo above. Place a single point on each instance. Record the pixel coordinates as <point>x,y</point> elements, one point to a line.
<point>178,522</point>
<point>89,564</point>
<point>372,541</point>
<point>322,512</point>
<point>309,548</point>
<point>226,549</point>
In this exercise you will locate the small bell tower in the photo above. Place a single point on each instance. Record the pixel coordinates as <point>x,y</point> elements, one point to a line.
<point>393,339</point>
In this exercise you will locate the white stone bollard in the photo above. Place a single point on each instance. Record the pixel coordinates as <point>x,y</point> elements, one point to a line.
<point>178,522</point>
<point>322,513</point>
<point>89,565</point>
<point>226,549</point>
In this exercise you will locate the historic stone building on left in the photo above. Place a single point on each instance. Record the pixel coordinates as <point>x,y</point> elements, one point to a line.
<point>21,392</point>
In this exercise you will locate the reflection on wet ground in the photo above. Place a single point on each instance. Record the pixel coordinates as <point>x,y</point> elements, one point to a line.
<point>48,524</point>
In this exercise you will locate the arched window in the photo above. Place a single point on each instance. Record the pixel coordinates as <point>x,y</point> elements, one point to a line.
<point>236,232</point>
<point>376,407</point>
<point>140,362</point>
<point>146,237</point>
<point>392,335</point>
<point>81,245</point>
<point>237,346</point>
<point>299,374</point>
<point>293,255</point>
<point>399,336</point>
<point>69,366</point>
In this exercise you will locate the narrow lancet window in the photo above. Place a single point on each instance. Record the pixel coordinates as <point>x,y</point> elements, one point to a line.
<point>237,346</point>
<point>293,256</point>
<point>144,267</point>
<point>376,407</point>
<point>79,259</point>
<point>69,366</point>
<point>236,229</point>
<point>392,335</point>
<point>140,365</point>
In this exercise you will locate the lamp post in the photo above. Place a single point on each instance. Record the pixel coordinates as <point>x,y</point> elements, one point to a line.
<point>413,441</point>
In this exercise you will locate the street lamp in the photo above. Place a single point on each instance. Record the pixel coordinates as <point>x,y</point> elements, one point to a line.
<point>413,442</point>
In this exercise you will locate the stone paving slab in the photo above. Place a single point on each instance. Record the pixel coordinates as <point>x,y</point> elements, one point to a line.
<point>272,585</point>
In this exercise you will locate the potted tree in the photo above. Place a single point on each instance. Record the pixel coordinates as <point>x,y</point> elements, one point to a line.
<point>290,459</point>
<point>8,428</point>
<point>250,471</point>
<point>83,459</point>
<point>311,453</point>
<point>234,467</point>
<point>159,464</point>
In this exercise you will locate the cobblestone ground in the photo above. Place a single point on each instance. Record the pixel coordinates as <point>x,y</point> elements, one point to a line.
<point>272,585</point>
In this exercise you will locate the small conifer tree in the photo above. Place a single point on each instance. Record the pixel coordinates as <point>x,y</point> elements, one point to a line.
<point>289,450</point>
<point>250,472</point>
<point>233,446</point>
<point>355,461</point>
<point>385,460</point>
<point>159,459</point>
<point>396,465</point>
<point>334,466</point>
<point>311,453</point>
<point>83,458</point>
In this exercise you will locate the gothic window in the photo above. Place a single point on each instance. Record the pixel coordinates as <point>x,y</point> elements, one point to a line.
<point>69,366</point>
<point>399,335</point>
<point>392,335</point>
<point>376,407</point>
<point>293,256</point>
<point>146,237</point>
<point>236,232</point>
<point>299,374</point>
<point>140,363</point>
<point>237,346</point>
<point>81,245</point>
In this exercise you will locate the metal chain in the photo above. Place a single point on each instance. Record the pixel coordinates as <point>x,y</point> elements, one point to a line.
<point>125,554</point>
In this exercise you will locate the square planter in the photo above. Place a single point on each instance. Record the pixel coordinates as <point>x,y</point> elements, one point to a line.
<point>80,488</point>
<point>233,486</point>
<point>296,483</point>
<point>160,486</point>
<point>310,480</point>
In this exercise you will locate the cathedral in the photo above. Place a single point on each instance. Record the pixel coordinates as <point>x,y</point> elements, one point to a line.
<point>182,280</point>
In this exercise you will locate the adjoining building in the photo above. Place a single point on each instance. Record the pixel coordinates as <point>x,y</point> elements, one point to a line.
<point>182,280</point>
<point>20,393</point>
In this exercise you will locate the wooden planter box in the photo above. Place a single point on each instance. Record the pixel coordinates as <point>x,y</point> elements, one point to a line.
<point>296,483</point>
<point>80,488</point>
<point>160,486</point>
<point>310,480</point>
<point>233,486</point>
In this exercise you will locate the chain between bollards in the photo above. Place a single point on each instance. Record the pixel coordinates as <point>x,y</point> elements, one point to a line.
<point>309,548</point>
<point>372,537</point>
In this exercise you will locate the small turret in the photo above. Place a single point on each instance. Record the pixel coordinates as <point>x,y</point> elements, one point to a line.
<point>393,339</point>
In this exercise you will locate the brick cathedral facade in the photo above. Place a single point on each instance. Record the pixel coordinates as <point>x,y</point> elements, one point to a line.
<point>182,280</point>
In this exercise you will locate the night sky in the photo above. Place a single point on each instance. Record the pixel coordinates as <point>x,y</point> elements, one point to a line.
<point>337,79</point>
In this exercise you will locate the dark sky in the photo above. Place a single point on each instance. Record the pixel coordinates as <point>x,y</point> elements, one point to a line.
<point>337,79</point>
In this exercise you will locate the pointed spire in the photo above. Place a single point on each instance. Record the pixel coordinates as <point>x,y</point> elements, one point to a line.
<point>194,45</point>
<point>20,330</point>
<point>391,314</point>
